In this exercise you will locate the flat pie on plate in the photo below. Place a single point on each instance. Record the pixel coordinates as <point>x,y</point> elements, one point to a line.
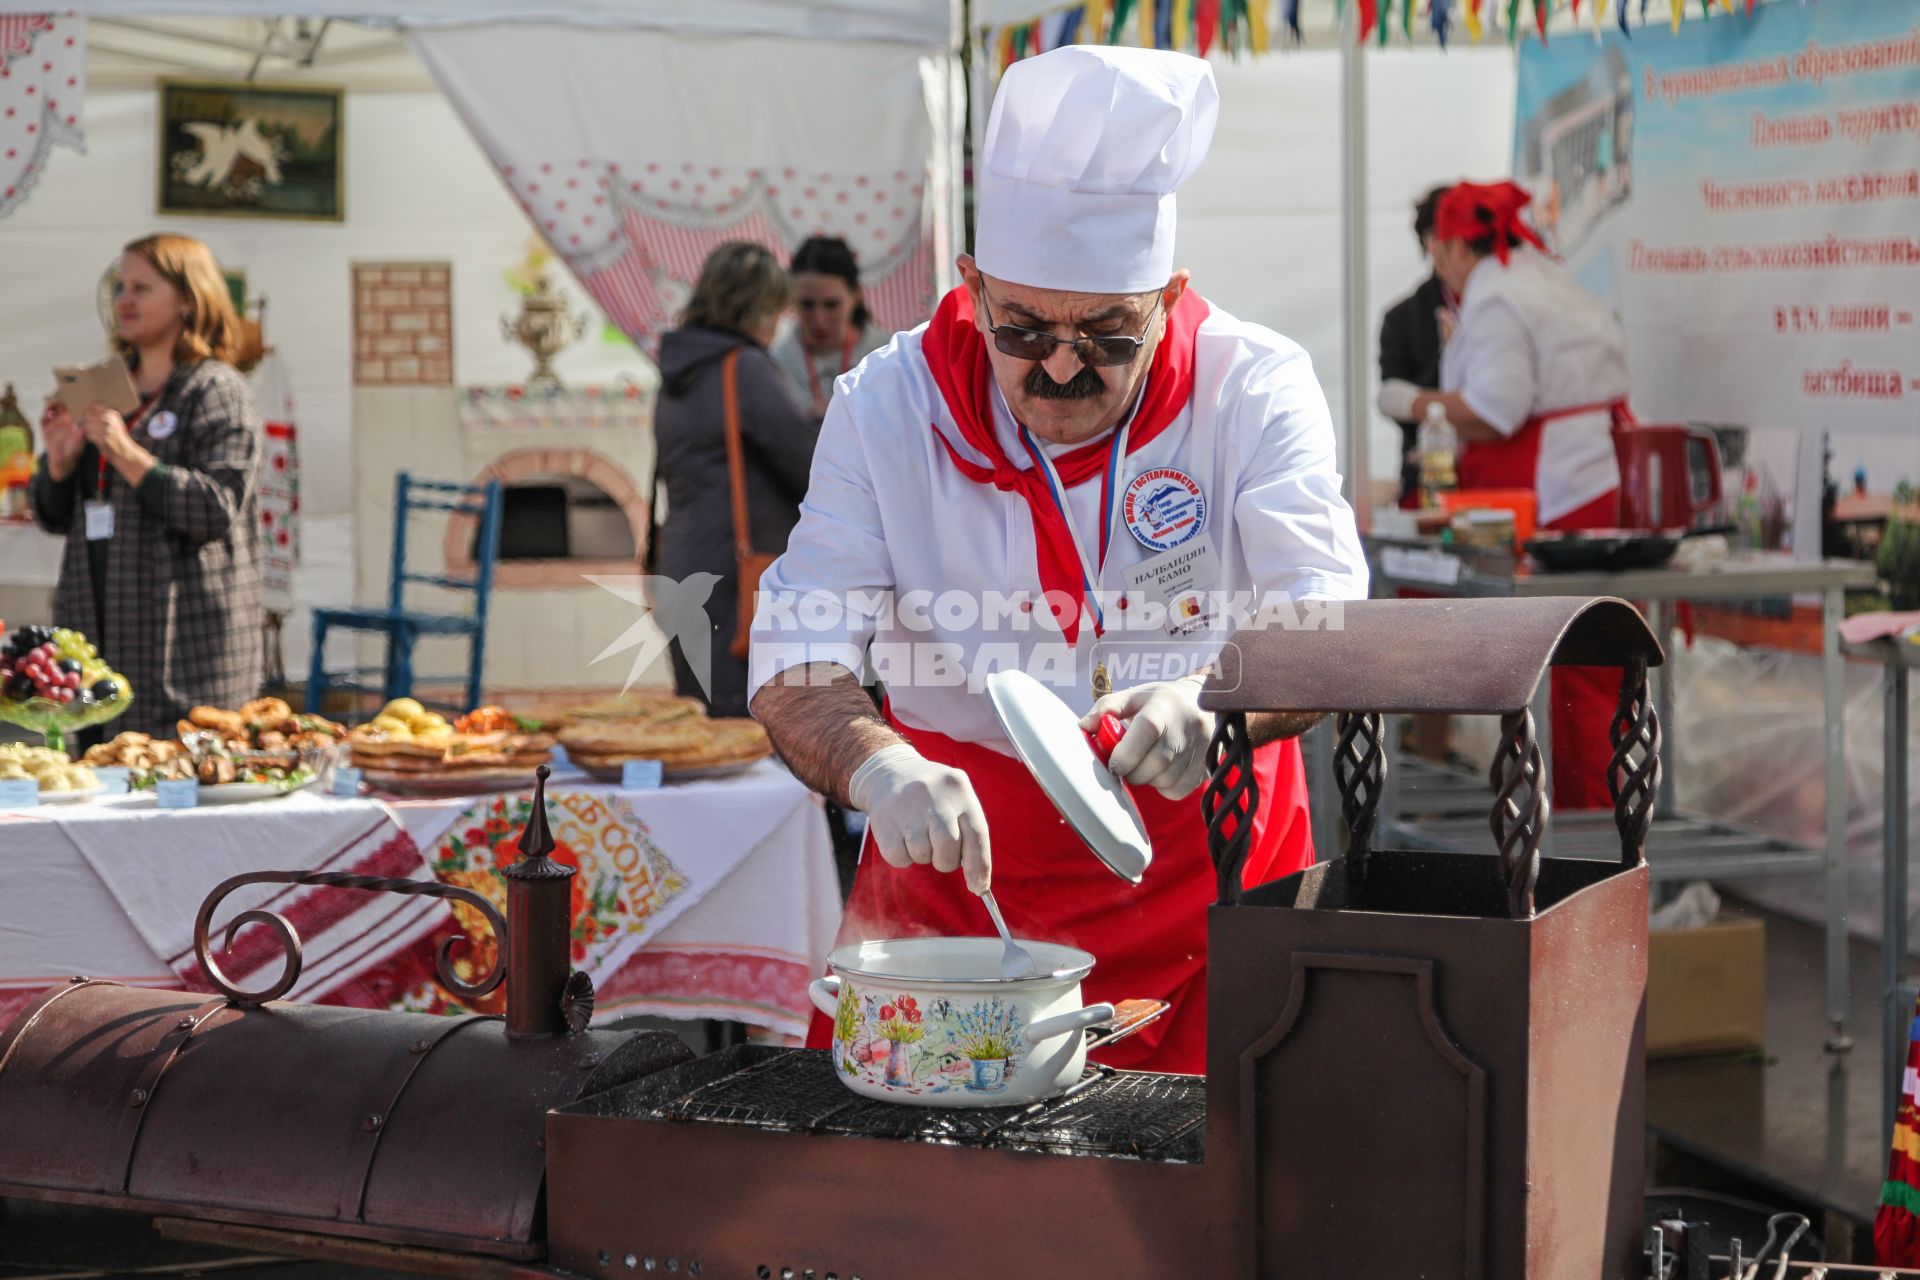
<point>641,739</point>
<point>720,744</point>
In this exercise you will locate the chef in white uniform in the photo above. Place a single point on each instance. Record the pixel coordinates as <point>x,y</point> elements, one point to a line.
<point>1082,469</point>
<point>1534,377</point>
<point>1534,380</point>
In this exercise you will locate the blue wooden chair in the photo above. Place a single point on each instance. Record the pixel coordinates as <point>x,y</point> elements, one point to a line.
<point>403,626</point>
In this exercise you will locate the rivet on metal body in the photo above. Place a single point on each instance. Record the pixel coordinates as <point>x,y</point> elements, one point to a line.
<point>185,1024</point>
<point>420,1046</point>
<point>372,1123</point>
<point>77,979</point>
<point>138,1098</point>
<point>632,1261</point>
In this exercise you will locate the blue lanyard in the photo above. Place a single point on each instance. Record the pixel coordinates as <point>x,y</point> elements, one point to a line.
<point>1090,571</point>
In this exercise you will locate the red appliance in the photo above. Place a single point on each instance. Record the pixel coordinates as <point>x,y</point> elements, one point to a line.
<point>1669,477</point>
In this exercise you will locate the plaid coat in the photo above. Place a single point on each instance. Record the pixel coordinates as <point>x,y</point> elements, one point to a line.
<point>183,591</point>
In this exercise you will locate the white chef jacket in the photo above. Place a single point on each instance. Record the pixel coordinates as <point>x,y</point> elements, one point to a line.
<point>1531,340</point>
<point>888,511</point>
<point>791,357</point>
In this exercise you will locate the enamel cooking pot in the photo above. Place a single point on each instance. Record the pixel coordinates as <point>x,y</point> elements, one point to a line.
<point>930,1021</point>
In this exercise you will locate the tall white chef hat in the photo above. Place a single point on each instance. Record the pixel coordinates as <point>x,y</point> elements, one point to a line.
<point>1085,148</point>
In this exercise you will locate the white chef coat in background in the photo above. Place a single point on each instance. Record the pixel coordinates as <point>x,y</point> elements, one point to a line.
<point>1532,340</point>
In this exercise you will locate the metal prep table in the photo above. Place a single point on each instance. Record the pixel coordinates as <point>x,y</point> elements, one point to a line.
<point>1896,658</point>
<point>1681,847</point>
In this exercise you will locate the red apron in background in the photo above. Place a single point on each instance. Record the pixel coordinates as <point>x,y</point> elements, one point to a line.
<point>1583,699</point>
<point>1150,939</point>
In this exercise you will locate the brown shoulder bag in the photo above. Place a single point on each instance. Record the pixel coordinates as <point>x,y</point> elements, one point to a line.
<point>750,564</point>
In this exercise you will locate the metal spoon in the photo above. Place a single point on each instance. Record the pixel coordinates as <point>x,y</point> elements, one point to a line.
<point>1015,960</point>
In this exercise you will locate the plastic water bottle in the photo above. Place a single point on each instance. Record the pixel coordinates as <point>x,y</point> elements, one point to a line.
<point>1438,444</point>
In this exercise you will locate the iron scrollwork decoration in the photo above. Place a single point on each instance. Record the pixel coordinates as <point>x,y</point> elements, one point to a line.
<point>1633,774</point>
<point>290,939</point>
<point>1360,769</point>
<point>1520,810</point>
<point>1229,800</point>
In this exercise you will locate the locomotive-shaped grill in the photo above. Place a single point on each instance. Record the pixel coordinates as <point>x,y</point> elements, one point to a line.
<point>402,1128</point>
<point>1418,1063</point>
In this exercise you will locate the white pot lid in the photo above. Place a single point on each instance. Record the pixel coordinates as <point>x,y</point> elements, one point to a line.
<point>1050,742</point>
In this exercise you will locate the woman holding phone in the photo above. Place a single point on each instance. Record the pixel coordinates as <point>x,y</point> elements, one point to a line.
<point>162,569</point>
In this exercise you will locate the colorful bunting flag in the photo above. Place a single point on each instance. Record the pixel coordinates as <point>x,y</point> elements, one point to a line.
<point>1242,25</point>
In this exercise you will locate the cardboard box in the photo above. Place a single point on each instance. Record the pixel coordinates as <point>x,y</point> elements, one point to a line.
<point>1707,989</point>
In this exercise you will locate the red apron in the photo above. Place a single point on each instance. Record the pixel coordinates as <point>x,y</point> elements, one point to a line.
<point>1583,699</point>
<point>1150,939</point>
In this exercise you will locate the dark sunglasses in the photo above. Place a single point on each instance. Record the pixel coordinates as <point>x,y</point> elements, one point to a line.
<point>1036,345</point>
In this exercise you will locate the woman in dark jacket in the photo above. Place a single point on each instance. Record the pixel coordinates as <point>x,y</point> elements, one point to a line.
<point>736,305</point>
<point>162,568</point>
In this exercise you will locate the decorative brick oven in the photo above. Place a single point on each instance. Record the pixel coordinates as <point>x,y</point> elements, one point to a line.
<point>597,519</point>
<point>577,464</point>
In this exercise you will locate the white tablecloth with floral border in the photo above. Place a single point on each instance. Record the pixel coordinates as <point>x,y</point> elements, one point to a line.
<point>715,898</point>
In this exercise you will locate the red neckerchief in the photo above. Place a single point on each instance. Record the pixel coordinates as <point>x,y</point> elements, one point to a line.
<point>956,356</point>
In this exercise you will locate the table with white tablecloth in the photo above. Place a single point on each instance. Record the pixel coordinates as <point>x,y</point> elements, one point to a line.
<point>704,899</point>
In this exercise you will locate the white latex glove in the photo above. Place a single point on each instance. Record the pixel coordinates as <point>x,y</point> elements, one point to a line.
<point>919,811</point>
<point>1396,399</point>
<point>1167,735</point>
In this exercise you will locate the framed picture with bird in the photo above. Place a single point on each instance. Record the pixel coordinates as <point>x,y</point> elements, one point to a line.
<point>251,150</point>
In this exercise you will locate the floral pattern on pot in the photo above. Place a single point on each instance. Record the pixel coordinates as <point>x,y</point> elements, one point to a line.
<point>947,1046</point>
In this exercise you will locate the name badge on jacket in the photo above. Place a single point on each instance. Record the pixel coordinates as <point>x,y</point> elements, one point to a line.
<point>99,516</point>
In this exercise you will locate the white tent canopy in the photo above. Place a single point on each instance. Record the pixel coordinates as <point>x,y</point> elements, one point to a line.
<point>928,23</point>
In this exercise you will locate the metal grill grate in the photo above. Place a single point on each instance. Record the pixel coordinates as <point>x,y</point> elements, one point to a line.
<point>1108,1113</point>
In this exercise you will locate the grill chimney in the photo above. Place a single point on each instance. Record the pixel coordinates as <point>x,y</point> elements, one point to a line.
<point>539,931</point>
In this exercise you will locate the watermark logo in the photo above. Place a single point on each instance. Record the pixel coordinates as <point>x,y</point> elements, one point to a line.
<point>670,609</point>
<point>955,639</point>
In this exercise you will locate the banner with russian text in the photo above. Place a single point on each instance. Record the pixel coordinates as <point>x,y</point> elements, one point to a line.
<point>1748,196</point>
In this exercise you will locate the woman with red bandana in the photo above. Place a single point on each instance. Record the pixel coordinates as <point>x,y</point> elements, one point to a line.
<point>1074,469</point>
<point>1534,380</point>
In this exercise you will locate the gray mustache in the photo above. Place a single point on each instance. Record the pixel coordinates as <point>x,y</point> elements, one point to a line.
<point>1082,386</point>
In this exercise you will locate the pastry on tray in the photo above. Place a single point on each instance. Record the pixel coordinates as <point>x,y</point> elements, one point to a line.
<point>407,741</point>
<point>50,769</point>
<point>132,751</point>
<point>637,706</point>
<point>718,743</point>
<point>636,738</point>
